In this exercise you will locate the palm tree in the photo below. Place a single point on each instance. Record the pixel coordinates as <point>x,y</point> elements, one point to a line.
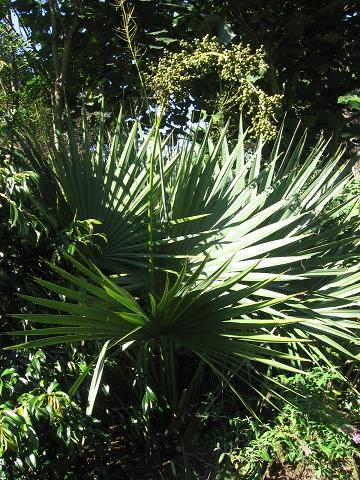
<point>231,254</point>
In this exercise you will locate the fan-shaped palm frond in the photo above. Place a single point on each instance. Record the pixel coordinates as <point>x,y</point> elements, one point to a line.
<point>220,200</point>
<point>212,319</point>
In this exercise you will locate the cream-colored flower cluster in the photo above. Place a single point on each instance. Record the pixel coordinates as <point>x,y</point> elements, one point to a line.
<point>237,70</point>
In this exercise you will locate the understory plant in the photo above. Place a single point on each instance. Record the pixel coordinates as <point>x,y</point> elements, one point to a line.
<point>216,264</point>
<point>36,416</point>
<point>312,433</point>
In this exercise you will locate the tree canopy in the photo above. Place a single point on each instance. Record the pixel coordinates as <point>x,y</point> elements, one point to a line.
<point>311,48</point>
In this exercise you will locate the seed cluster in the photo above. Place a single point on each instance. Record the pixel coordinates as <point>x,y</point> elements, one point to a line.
<point>237,70</point>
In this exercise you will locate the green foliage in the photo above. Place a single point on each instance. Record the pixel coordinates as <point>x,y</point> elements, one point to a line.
<point>311,49</point>
<point>242,276</point>
<point>193,266</point>
<point>310,432</point>
<point>92,69</point>
<point>234,68</point>
<point>244,200</point>
<point>350,99</point>
<point>35,417</point>
<point>22,93</point>
<point>30,232</point>
<point>18,203</point>
<point>24,234</point>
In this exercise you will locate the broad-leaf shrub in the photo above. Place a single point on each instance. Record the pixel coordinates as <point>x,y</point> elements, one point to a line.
<point>312,432</point>
<point>39,424</point>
